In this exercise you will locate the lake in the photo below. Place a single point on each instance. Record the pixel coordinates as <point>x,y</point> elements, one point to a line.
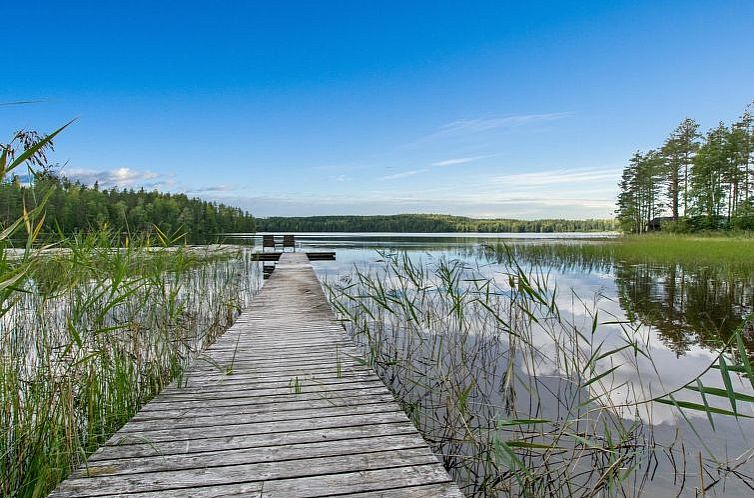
<point>682,314</point>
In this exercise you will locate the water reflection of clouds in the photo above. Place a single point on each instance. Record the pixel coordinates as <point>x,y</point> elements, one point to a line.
<point>598,289</point>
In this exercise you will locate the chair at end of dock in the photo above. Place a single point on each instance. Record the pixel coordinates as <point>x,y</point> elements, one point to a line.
<point>289,241</point>
<point>268,241</point>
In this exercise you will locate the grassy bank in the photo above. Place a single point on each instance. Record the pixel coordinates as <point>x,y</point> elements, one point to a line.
<point>93,330</point>
<point>723,252</point>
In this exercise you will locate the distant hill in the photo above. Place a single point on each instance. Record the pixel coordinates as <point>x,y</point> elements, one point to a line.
<point>432,223</point>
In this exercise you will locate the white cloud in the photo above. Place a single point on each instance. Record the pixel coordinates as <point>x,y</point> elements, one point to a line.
<point>404,174</point>
<point>477,125</point>
<point>119,177</point>
<point>464,129</point>
<point>455,162</point>
<point>560,176</point>
<point>211,189</point>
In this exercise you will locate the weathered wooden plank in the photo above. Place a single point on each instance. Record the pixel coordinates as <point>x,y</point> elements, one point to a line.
<point>443,490</point>
<point>249,442</point>
<point>222,430</point>
<point>291,385</point>
<point>264,471</point>
<point>258,417</point>
<point>319,486</point>
<point>281,407</point>
<point>310,388</point>
<point>212,382</point>
<point>235,401</point>
<point>317,449</point>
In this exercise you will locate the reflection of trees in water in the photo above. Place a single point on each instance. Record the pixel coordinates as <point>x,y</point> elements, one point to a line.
<point>698,306</point>
<point>687,305</point>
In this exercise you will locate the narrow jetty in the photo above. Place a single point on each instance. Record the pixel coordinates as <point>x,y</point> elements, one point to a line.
<point>280,406</point>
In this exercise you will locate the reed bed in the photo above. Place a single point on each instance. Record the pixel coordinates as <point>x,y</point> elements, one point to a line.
<point>90,332</point>
<point>524,398</point>
<point>726,254</point>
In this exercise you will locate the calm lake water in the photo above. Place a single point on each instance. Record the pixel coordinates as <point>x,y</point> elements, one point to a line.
<point>681,312</point>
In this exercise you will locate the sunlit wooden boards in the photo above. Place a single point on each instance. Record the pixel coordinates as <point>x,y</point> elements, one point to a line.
<point>280,406</point>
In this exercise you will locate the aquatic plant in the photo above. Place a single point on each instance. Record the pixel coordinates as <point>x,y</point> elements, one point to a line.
<point>523,397</point>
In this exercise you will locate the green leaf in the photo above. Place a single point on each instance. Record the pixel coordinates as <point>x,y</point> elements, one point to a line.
<point>698,407</point>
<point>716,391</point>
<point>34,148</point>
<point>603,374</point>
<point>704,400</point>
<point>522,421</point>
<point>528,444</point>
<point>728,384</point>
<point>744,357</point>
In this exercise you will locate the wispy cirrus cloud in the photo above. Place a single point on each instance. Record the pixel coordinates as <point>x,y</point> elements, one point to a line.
<point>463,126</point>
<point>456,162</point>
<point>404,174</point>
<point>474,128</point>
<point>212,189</point>
<point>560,176</point>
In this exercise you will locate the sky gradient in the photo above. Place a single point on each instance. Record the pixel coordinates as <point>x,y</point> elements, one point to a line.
<point>302,108</point>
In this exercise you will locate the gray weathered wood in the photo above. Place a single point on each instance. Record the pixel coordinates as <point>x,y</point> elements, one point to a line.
<point>280,406</point>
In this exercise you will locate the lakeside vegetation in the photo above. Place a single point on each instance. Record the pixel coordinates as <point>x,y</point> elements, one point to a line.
<point>695,291</point>
<point>72,207</point>
<point>693,181</point>
<point>427,223</point>
<point>523,397</point>
<point>92,328</point>
<point>728,253</point>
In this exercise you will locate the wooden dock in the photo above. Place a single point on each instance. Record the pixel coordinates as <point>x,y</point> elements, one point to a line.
<point>279,406</point>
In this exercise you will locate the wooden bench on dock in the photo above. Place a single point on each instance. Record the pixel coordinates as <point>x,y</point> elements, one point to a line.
<point>280,406</point>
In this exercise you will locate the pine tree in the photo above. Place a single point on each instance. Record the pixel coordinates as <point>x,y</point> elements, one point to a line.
<point>686,138</point>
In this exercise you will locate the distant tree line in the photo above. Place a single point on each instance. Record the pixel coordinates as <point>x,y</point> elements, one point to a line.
<point>693,181</point>
<point>73,207</point>
<point>431,223</point>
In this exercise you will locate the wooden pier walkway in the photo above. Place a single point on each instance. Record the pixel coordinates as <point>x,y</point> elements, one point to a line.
<point>279,406</point>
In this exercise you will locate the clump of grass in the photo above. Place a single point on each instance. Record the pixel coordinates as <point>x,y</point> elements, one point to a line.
<point>521,397</point>
<point>732,255</point>
<point>91,332</point>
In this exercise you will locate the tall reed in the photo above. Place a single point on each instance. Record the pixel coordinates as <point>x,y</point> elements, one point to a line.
<point>520,396</point>
<point>92,332</point>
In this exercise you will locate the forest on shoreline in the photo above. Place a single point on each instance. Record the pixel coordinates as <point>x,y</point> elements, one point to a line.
<point>72,207</point>
<point>427,223</point>
<point>692,182</point>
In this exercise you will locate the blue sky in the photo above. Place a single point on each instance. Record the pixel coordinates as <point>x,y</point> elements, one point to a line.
<point>296,108</point>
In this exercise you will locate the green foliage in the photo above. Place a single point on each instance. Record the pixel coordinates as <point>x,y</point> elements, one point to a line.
<point>73,207</point>
<point>426,223</point>
<point>92,328</point>
<point>692,183</point>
